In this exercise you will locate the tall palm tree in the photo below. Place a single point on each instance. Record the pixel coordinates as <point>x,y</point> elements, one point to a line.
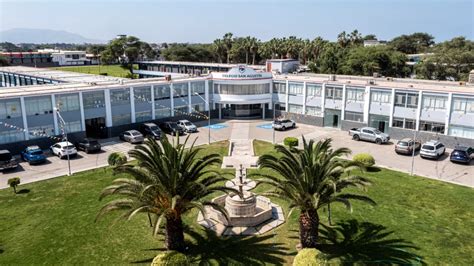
<point>254,46</point>
<point>228,41</point>
<point>312,178</point>
<point>219,49</point>
<point>166,181</point>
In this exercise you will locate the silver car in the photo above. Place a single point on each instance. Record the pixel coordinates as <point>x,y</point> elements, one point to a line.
<point>132,136</point>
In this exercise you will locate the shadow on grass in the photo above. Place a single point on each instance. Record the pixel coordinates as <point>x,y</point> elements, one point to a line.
<point>207,248</point>
<point>351,242</point>
<point>23,191</point>
<point>373,169</point>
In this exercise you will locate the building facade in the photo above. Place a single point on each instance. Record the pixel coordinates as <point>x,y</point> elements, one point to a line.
<point>98,106</point>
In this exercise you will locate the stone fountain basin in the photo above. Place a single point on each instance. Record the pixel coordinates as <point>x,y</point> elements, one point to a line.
<point>262,212</point>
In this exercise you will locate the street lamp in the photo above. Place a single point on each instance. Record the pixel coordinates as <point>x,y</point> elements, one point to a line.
<point>273,126</point>
<point>208,117</point>
<point>64,133</point>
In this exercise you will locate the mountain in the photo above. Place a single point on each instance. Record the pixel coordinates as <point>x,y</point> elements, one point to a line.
<point>38,36</point>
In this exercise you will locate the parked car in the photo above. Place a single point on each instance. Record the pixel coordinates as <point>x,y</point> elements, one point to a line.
<point>88,145</point>
<point>369,134</point>
<point>172,128</point>
<point>283,124</point>
<point>151,130</point>
<point>64,148</point>
<point>406,146</point>
<point>132,136</point>
<point>7,161</point>
<point>461,154</point>
<point>432,149</point>
<point>33,155</point>
<point>187,126</point>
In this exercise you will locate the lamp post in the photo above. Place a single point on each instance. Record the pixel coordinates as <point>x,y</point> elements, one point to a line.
<point>64,133</point>
<point>273,126</point>
<point>413,153</point>
<point>208,117</point>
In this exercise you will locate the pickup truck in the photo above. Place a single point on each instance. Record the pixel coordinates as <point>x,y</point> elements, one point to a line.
<point>369,134</point>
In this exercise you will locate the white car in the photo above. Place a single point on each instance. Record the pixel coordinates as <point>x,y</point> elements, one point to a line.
<point>283,124</point>
<point>187,126</point>
<point>62,149</point>
<point>432,149</point>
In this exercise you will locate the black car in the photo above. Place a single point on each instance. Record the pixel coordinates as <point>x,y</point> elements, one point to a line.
<point>150,130</point>
<point>172,128</point>
<point>461,154</point>
<point>88,145</point>
<point>7,161</point>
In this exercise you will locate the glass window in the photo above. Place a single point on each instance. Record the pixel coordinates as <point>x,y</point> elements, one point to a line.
<point>121,119</point>
<point>72,126</point>
<point>162,92</point>
<point>41,131</point>
<point>313,110</point>
<point>313,90</point>
<point>406,99</point>
<point>404,123</point>
<point>181,110</point>
<point>142,116</point>
<point>433,103</point>
<point>354,95</point>
<point>67,102</point>
<point>162,112</point>
<point>9,136</point>
<point>295,108</point>
<point>295,88</point>
<point>380,96</point>
<point>279,87</point>
<point>354,116</point>
<point>461,131</point>
<point>10,108</point>
<point>251,89</point>
<point>94,99</point>
<point>198,107</point>
<point>198,87</point>
<point>463,105</point>
<point>120,97</point>
<point>432,127</point>
<point>38,105</point>
<point>180,90</point>
<point>334,93</point>
<point>142,95</point>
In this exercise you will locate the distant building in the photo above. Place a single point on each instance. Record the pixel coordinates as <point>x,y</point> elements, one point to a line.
<point>68,58</point>
<point>93,58</point>
<point>38,59</point>
<point>282,65</point>
<point>368,43</point>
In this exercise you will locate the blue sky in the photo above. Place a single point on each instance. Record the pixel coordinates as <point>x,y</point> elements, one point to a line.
<point>204,21</point>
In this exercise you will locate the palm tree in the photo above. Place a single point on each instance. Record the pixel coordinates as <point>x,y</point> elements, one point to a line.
<point>312,178</point>
<point>228,41</point>
<point>254,46</point>
<point>166,181</point>
<point>219,49</point>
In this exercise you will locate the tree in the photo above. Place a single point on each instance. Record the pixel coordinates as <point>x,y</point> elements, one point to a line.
<point>254,46</point>
<point>311,179</point>
<point>13,183</point>
<point>167,181</point>
<point>412,44</point>
<point>4,61</point>
<point>228,41</point>
<point>219,49</point>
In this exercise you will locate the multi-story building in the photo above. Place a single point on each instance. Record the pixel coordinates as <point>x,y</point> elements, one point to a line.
<point>101,106</point>
<point>68,58</point>
<point>36,59</point>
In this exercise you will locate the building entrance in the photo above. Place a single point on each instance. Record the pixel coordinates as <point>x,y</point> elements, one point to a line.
<point>242,110</point>
<point>332,118</point>
<point>95,127</point>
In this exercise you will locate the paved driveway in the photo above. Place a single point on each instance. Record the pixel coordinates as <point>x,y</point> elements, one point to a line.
<point>384,155</point>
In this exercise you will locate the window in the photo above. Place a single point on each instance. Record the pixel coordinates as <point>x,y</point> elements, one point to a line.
<point>41,131</point>
<point>354,116</point>
<point>162,92</point>
<point>94,99</point>
<point>198,87</point>
<point>380,96</point>
<point>432,127</point>
<point>11,136</point>
<point>68,102</point>
<point>295,108</point>
<point>313,110</point>
<point>280,106</point>
<point>162,112</point>
<point>38,105</point>
<point>355,95</point>
<point>334,93</point>
<point>404,123</point>
<point>313,90</point>
<point>72,126</point>
<point>463,105</point>
<point>180,110</point>
<point>279,87</point>
<point>461,131</point>
<point>180,90</point>
<point>10,108</point>
<point>295,88</point>
<point>142,95</point>
<point>406,99</point>
<point>121,119</point>
<point>120,97</point>
<point>198,107</point>
<point>142,116</point>
<point>251,89</point>
<point>433,103</point>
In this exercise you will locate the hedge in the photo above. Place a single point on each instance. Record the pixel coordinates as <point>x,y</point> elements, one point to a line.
<point>170,257</point>
<point>365,159</point>
<point>290,141</point>
<point>308,257</point>
<point>117,158</point>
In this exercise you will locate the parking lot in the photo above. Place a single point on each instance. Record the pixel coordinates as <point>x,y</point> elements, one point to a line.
<point>384,155</point>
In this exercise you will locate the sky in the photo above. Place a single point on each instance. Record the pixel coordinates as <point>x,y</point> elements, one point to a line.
<point>205,20</point>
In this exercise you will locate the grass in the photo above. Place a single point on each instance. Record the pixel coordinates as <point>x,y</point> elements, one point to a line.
<point>54,223</point>
<point>111,70</point>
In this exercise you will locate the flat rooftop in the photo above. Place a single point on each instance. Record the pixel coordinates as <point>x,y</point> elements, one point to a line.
<point>183,63</point>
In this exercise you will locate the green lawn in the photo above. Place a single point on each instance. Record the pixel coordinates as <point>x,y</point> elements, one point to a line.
<point>54,224</point>
<point>111,70</point>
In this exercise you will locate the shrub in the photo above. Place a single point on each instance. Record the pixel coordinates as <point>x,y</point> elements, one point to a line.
<point>116,159</point>
<point>168,258</point>
<point>14,182</point>
<point>365,159</point>
<point>308,257</point>
<point>290,141</point>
